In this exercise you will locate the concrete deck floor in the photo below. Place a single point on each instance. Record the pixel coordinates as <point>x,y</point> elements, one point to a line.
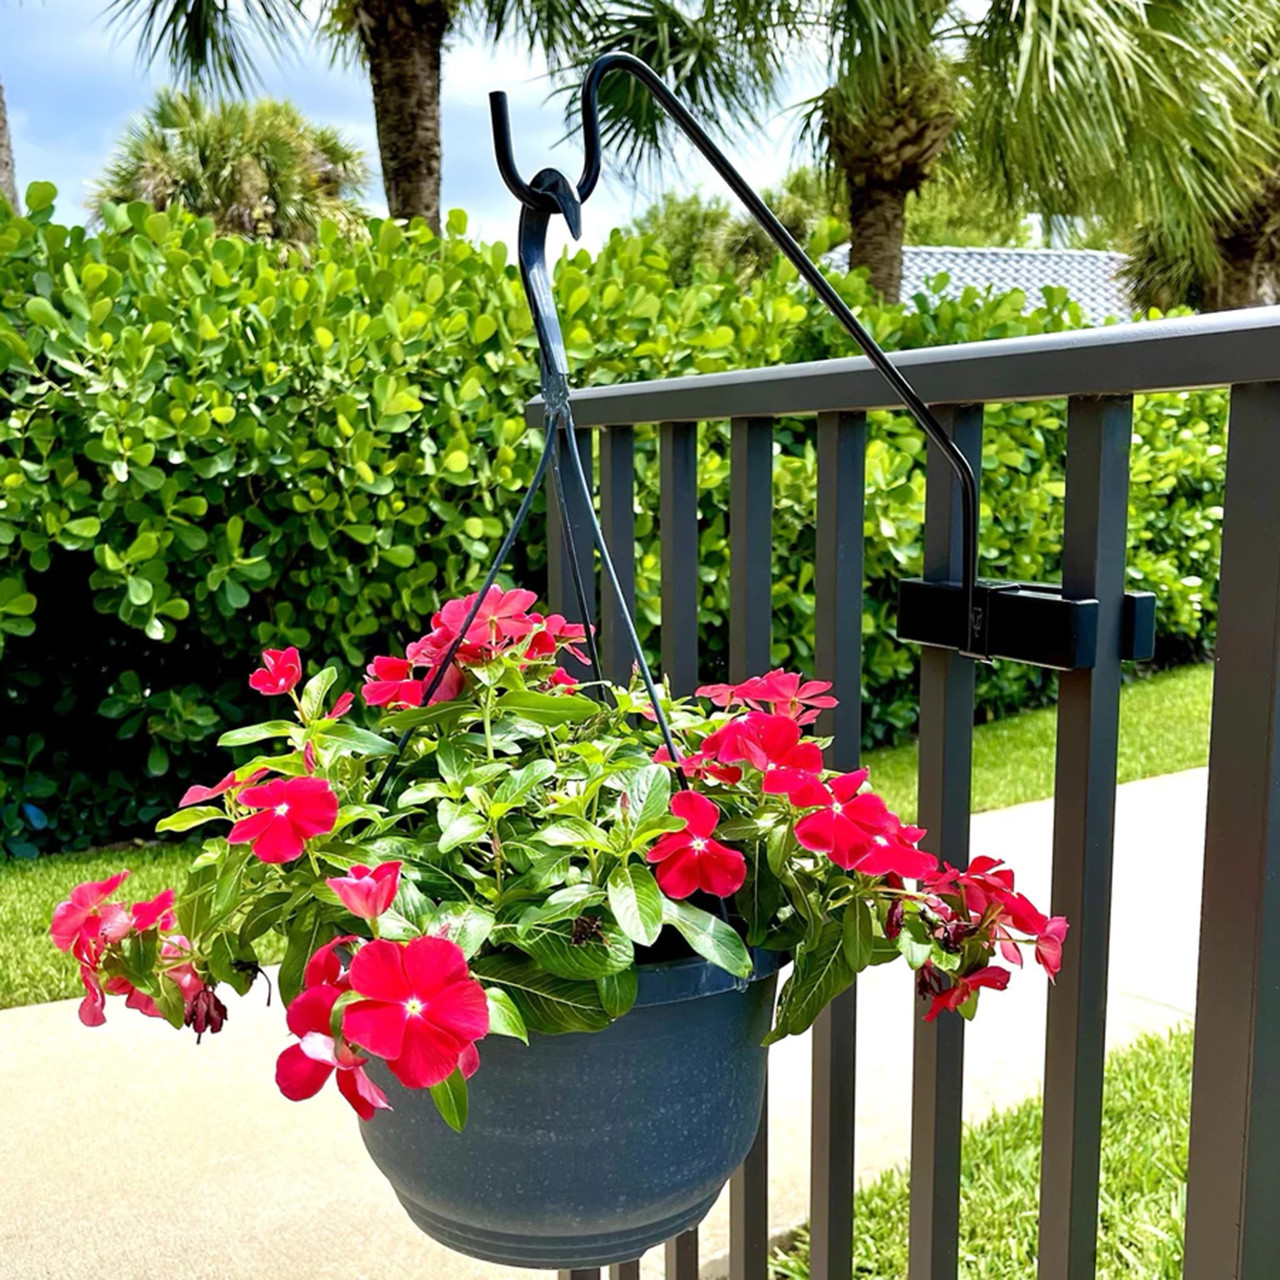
<point>131,1153</point>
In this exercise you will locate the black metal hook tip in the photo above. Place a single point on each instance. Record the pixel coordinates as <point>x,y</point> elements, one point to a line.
<point>553,184</point>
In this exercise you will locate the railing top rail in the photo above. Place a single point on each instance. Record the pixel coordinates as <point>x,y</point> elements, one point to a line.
<point>1175,354</point>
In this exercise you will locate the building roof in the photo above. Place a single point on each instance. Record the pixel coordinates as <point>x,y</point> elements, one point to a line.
<point>1088,275</point>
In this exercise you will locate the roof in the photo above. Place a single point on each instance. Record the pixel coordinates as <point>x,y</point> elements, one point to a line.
<point>1088,275</point>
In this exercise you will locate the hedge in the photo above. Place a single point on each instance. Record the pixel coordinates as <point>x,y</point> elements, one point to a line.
<point>209,445</point>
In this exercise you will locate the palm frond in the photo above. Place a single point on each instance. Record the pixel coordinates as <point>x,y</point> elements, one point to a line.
<point>208,42</point>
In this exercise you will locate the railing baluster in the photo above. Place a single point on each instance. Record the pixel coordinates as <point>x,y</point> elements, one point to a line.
<point>625,1271</point>
<point>682,1257</point>
<point>581,1273</point>
<point>617,519</point>
<point>946,751</point>
<point>678,531</point>
<point>1093,559</point>
<point>750,546</point>
<point>838,626</point>
<point>750,634</point>
<point>1233,1183</point>
<point>560,594</point>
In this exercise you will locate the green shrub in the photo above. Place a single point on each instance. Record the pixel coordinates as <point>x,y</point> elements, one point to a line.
<point>209,445</point>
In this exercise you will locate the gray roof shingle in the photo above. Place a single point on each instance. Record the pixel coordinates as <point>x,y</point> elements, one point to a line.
<point>1088,275</point>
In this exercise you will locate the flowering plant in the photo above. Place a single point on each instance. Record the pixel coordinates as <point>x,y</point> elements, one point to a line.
<point>501,859</point>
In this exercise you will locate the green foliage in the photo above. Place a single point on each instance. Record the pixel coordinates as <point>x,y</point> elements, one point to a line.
<point>208,446</point>
<point>256,169</point>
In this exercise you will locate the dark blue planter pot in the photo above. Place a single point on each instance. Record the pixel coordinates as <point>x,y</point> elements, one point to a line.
<point>585,1150</point>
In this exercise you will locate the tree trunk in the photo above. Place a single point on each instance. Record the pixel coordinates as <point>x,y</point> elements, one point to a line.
<point>8,186</point>
<point>404,40</point>
<point>877,219</point>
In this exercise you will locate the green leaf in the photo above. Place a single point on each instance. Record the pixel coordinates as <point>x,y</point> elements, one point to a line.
<point>518,785</point>
<point>313,694</point>
<point>185,819</point>
<point>450,1098</point>
<point>564,904</point>
<point>361,740</point>
<point>549,708</point>
<point>636,902</point>
<point>504,1017</point>
<point>710,937</point>
<point>573,832</point>
<point>257,733</point>
<point>649,791</point>
<point>913,942</point>
<point>618,992</point>
<point>548,1004</point>
<point>262,916</point>
<point>602,949</point>
<point>820,974</point>
<point>308,933</point>
<point>466,828</point>
<point>465,923</point>
<point>859,934</point>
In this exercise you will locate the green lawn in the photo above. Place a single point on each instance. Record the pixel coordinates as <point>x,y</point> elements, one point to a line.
<point>1164,727</point>
<point>1146,1119</point>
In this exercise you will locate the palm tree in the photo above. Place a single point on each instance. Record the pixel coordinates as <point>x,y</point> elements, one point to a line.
<point>1069,107</point>
<point>257,169</point>
<point>8,185</point>
<point>402,42</point>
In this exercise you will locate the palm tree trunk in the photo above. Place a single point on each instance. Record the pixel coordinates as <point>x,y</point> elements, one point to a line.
<point>8,186</point>
<point>877,219</point>
<point>404,41</point>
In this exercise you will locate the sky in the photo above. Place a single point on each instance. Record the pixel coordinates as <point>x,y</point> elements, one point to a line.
<point>72,85</point>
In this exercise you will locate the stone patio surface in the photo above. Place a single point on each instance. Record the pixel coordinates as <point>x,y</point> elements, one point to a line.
<point>130,1153</point>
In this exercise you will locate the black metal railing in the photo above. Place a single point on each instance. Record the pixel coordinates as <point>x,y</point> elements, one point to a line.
<point>1233,1226</point>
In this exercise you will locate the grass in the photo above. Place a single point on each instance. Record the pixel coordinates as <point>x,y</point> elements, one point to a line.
<point>1146,1120</point>
<point>1164,727</point>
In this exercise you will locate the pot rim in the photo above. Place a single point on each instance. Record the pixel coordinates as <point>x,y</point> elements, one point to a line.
<point>692,978</point>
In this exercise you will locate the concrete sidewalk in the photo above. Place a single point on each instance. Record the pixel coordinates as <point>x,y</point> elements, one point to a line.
<point>131,1153</point>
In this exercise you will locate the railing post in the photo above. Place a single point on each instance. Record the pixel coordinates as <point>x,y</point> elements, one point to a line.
<point>1233,1181</point>
<point>946,748</point>
<point>681,1257</point>
<point>1093,560</point>
<point>750,626</point>
<point>560,593</point>
<point>678,532</point>
<point>618,523</point>
<point>838,633</point>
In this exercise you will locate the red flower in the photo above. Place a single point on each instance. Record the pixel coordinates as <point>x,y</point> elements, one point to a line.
<point>772,745</point>
<point>561,679</point>
<point>961,988</point>
<point>1049,945</point>
<point>280,672</point>
<point>184,976</point>
<point>422,1009</point>
<point>325,968</point>
<point>92,1008</point>
<point>857,831</point>
<point>555,632</point>
<point>781,692</point>
<point>367,893</point>
<point>691,859</point>
<point>302,1068</point>
<point>391,684</point>
<point>702,764</point>
<point>291,811</point>
<point>87,922</point>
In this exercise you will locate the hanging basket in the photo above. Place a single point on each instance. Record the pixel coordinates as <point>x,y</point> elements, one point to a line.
<point>584,1150</point>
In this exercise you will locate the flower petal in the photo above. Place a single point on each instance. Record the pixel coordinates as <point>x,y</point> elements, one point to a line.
<point>699,813</point>
<point>299,1076</point>
<point>430,964</point>
<point>378,972</point>
<point>376,1026</point>
<point>429,1056</point>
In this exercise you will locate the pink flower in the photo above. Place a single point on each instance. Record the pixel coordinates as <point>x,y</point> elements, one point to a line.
<point>303,1068</point>
<point>291,811</point>
<point>553,633</point>
<point>701,764</point>
<point>1049,945</point>
<point>780,692</point>
<point>197,794</point>
<point>857,831</point>
<point>772,745</point>
<point>86,922</point>
<point>503,617</point>
<point>690,859</point>
<point>280,672</point>
<point>92,1009</point>
<point>367,893</point>
<point>341,707</point>
<point>422,1010</point>
<point>158,913</point>
<point>391,684</point>
<point>929,983</point>
<point>183,976</point>
<point>325,968</point>
<point>561,679</point>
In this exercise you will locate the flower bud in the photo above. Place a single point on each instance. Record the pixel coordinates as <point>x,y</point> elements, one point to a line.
<point>207,1013</point>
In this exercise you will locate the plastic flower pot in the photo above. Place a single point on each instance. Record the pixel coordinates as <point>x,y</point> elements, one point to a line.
<point>584,1150</point>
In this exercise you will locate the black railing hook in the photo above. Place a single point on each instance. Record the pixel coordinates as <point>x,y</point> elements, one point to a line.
<point>547,195</point>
